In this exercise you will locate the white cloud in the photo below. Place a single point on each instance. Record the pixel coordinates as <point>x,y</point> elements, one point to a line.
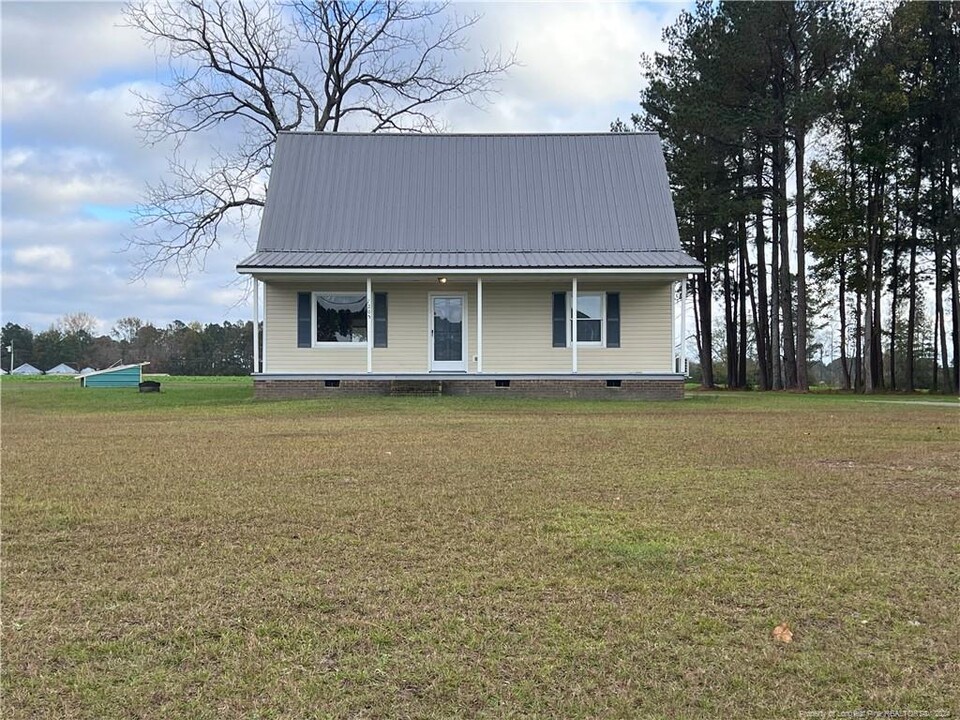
<point>70,40</point>
<point>578,64</point>
<point>44,257</point>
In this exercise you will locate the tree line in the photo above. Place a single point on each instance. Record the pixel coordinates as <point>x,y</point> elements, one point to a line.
<point>178,348</point>
<point>826,132</point>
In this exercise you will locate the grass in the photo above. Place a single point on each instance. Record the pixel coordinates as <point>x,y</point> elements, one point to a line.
<point>198,554</point>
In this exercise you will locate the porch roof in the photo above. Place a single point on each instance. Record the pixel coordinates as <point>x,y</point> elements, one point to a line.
<point>430,261</point>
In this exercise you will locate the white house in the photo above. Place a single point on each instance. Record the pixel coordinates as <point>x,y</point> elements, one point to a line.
<point>473,264</point>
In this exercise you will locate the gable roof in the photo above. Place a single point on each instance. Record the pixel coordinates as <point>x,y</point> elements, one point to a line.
<point>61,369</point>
<point>26,369</point>
<point>340,200</point>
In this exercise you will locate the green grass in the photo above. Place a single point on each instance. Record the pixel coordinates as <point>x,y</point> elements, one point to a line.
<point>200,554</point>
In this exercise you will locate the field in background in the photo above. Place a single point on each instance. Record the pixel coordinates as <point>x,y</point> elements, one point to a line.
<point>199,554</point>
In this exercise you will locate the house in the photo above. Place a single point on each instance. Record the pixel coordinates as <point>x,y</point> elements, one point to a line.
<point>455,262</point>
<point>119,376</point>
<point>61,369</point>
<point>26,369</point>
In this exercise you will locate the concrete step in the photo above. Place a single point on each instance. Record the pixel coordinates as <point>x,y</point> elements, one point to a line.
<point>416,387</point>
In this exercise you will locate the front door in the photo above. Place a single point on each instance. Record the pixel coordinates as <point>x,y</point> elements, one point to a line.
<point>448,334</point>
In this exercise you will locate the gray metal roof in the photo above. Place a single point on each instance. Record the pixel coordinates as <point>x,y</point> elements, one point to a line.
<point>485,201</point>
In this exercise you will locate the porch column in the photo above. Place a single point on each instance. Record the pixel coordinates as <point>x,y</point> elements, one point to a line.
<point>256,324</point>
<point>683,326</point>
<point>265,335</point>
<point>479,324</point>
<point>369,325</point>
<point>573,332</point>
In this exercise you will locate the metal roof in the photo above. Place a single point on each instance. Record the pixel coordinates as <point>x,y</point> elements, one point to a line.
<point>450,260</point>
<point>485,201</point>
<point>114,368</point>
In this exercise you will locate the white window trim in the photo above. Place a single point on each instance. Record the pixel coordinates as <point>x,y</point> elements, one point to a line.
<point>313,320</point>
<point>603,319</point>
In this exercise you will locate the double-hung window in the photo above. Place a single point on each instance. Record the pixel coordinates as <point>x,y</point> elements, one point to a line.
<point>339,318</point>
<point>590,317</point>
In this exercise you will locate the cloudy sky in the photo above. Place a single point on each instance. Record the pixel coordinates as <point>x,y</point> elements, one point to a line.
<point>74,166</point>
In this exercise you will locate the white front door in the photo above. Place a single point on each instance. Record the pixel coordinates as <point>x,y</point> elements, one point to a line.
<point>448,333</point>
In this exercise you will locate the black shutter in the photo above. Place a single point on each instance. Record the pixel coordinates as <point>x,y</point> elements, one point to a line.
<point>559,319</point>
<point>303,320</point>
<point>613,320</point>
<point>380,320</point>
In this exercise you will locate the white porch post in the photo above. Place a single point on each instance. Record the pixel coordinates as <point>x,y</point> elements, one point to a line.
<point>265,335</point>
<point>573,332</point>
<point>256,325</point>
<point>369,325</point>
<point>683,326</point>
<point>479,324</point>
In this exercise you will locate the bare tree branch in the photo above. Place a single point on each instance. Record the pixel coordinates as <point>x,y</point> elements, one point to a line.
<point>242,72</point>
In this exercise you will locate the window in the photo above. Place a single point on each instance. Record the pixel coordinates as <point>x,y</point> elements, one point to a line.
<point>589,318</point>
<point>339,317</point>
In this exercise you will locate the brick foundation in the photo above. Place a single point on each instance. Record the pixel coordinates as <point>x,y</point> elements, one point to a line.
<point>582,388</point>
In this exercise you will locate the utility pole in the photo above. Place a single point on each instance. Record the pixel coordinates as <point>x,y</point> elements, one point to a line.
<point>10,350</point>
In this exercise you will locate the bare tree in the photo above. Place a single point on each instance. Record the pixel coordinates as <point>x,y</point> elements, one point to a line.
<point>75,323</point>
<point>247,71</point>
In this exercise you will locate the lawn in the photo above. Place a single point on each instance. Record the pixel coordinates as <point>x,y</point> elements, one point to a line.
<point>198,554</point>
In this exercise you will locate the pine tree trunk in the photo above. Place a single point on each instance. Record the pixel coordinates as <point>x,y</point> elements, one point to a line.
<point>776,357</point>
<point>705,316</point>
<point>911,353</point>
<point>729,322</point>
<point>954,275</point>
<point>878,281</point>
<point>786,294</point>
<point>744,272</point>
<point>844,363</point>
<point>894,297</point>
<point>940,319</point>
<point>705,303</point>
<point>762,321</point>
<point>858,351</point>
<point>803,384</point>
<point>869,380</point>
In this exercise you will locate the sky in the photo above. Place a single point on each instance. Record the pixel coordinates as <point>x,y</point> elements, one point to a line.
<point>74,165</point>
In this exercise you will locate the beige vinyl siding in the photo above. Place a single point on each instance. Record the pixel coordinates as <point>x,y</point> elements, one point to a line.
<point>407,329</point>
<point>646,330</point>
<point>408,325</point>
<point>517,329</point>
<point>280,321</point>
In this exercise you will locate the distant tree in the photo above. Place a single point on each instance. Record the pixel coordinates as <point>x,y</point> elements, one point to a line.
<point>126,328</point>
<point>21,338</point>
<point>48,349</point>
<point>75,323</point>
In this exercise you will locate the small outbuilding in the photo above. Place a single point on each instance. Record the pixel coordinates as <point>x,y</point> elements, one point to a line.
<point>120,376</point>
<point>61,369</point>
<point>26,369</point>
<point>87,370</point>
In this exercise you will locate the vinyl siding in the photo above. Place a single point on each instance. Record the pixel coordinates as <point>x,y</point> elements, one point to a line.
<point>517,334</point>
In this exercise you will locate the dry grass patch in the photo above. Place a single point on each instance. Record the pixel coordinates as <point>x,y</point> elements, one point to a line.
<point>202,555</point>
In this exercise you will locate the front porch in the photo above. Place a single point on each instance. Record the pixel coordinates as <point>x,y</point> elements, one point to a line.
<point>320,326</point>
